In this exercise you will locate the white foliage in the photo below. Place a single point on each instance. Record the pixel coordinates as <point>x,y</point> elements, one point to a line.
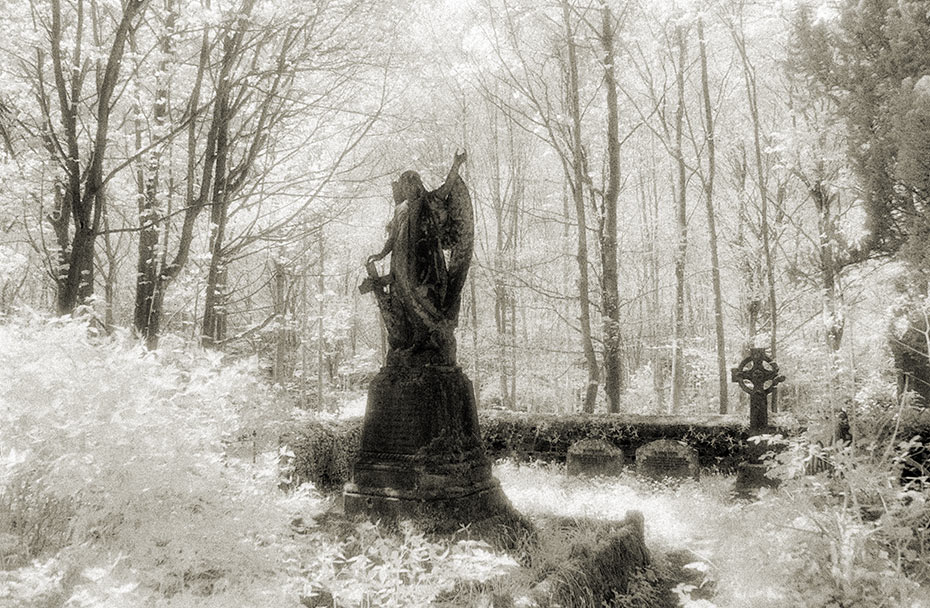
<point>133,443</point>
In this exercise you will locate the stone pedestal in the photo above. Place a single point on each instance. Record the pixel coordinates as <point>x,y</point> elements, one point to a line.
<point>751,475</point>
<point>421,454</point>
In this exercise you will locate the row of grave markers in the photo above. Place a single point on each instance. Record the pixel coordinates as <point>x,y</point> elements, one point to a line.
<point>757,375</point>
<point>660,458</point>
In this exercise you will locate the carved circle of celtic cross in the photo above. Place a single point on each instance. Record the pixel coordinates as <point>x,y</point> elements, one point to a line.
<point>757,373</point>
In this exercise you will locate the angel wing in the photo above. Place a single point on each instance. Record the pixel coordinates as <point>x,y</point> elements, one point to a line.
<point>458,236</point>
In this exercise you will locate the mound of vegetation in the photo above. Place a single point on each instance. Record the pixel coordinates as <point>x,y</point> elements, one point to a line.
<point>118,486</point>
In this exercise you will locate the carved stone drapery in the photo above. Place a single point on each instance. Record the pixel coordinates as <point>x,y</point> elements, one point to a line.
<point>420,297</point>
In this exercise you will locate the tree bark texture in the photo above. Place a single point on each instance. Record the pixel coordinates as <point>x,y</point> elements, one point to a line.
<point>577,187</point>
<point>214,313</point>
<point>608,225</point>
<point>85,186</point>
<point>681,222</point>
<point>722,379</point>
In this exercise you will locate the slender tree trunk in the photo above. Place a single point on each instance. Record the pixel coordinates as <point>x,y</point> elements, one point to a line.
<point>752,97</point>
<point>577,187</point>
<point>681,222</point>
<point>85,187</point>
<point>608,226</point>
<point>649,202</point>
<point>712,223</point>
<point>304,337</point>
<point>750,299</point>
<point>833,320</point>
<point>60,219</point>
<point>147,315</point>
<point>476,370</point>
<point>279,305</point>
<point>214,313</point>
<point>513,242</point>
<point>501,289</point>
<point>110,278</point>
<point>321,289</point>
<point>150,280</point>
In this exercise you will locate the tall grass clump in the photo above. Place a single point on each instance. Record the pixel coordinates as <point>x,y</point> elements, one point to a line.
<point>114,486</point>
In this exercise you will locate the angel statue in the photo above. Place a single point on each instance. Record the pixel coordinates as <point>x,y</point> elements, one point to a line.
<point>419,297</point>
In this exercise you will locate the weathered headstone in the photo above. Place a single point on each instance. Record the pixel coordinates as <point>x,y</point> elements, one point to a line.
<point>667,458</point>
<point>757,375</point>
<point>594,457</point>
<point>420,451</point>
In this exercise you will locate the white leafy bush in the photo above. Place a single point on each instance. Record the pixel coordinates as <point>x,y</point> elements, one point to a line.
<point>112,461</point>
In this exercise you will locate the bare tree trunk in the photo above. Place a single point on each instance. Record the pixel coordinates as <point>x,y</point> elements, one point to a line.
<point>750,299</point>
<point>833,320</point>
<point>214,313</point>
<point>649,203</point>
<point>502,293</point>
<point>85,186</point>
<point>279,307</point>
<point>150,283</point>
<point>607,227</point>
<point>109,282</point>
<point>517,162</point>
<point>752,97</point>
<point>681,221</point>
<point>60,220</point>
<point>577,187</point>
<point>712,223</point>
<point>321,289</point>
<point>304,337</point>
<point>474,338</point>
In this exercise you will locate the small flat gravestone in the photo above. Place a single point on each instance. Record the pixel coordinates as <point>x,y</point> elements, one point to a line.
<point>594,457</point>
<point>667,458</point>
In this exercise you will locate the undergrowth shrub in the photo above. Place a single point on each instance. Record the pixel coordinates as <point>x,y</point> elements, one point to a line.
<point>112,469</point>
<point>721,442</point>
<point>371,566</point>
<point>869,523</point>
<point>320,452</point>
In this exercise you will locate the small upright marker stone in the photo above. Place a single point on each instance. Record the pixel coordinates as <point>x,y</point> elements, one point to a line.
<point>593,457</point>
<point>667,458</point>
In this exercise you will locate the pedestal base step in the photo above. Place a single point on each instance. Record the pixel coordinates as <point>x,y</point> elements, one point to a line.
<point>444,514</point>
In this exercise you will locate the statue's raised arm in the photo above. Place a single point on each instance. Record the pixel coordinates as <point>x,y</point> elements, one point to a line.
<point>420,297</point>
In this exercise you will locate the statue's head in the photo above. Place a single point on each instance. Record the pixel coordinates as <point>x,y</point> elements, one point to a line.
<point>407,187</point>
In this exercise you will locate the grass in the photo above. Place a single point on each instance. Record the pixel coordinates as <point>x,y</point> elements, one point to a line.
<point>770,553</point>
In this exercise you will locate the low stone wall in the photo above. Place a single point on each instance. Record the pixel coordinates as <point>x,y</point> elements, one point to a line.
<point>721,441</point>
<point>323,452</point>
